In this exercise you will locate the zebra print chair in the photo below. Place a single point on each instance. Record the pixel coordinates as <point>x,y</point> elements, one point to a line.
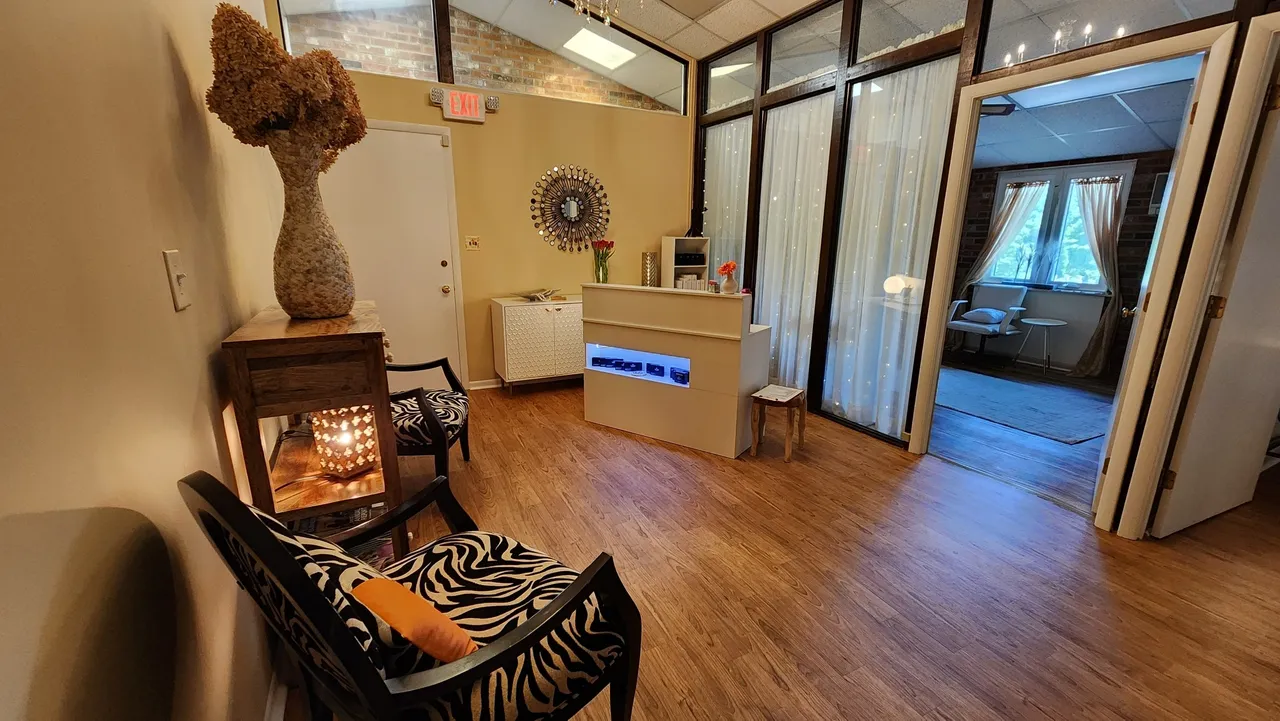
<point>550,638</point>
<point>429,422</point>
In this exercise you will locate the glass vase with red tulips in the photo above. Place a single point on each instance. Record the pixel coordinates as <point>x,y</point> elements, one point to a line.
<point>603,251</point>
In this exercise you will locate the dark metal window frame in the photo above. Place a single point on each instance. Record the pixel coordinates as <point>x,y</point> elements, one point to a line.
<point>969,42</point>
<point>444,46</point>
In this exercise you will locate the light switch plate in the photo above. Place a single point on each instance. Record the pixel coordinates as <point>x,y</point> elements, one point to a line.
<point>177,280</point>
<point>473,242</point>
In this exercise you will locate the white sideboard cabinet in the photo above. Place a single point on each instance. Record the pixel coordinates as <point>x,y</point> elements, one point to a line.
<point>535,341</point>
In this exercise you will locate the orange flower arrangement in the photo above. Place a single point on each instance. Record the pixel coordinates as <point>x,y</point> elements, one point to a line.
<point>258,88</point>
<point>728,268</point>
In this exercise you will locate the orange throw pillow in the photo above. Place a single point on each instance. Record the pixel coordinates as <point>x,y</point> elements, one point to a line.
<point>416,619</point>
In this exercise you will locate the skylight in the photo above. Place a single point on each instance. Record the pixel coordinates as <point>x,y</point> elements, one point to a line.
<point>598,50</point>
<point>726,69</point>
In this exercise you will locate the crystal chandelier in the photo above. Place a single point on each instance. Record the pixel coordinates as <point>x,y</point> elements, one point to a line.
<point>605,9</point>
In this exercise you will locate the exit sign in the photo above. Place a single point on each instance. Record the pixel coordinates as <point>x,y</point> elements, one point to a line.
<point>461,105</point>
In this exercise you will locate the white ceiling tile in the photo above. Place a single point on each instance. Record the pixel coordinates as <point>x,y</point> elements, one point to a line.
<point>1042,150</point>
<point>1005,39</point>
<point>1004,12</point>
<point>1201,8</point>
<point>1120,141</point>
<point>1168,131</point>
<point>655,17</point>
<point>993,129</point>
<point>696,41</point>
<point>783,8</point>
<point>1107,16</point>
<point>1161,103</point>
<point>651,73</point>
<point>737,19</point>
<point>883,28</point>
<point>930,15</point>
<point>487,10</point>
<point>673,99</point>
<point>1084,115</point>
<point>987,157</point>
<point>693,8</point>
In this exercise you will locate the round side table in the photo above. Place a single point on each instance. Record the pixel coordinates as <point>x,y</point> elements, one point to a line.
<point>1048,324</point>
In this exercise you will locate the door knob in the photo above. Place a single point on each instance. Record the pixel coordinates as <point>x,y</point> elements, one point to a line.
<point>445,289</point>
<point>1129,312</point>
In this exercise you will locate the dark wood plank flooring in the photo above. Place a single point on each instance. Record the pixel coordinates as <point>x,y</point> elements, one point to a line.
<point>861,582</point>
<point>1060,472</point>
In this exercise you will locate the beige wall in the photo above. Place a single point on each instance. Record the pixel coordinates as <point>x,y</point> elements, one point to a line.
<point>643,158</point>
<point>106,394</point>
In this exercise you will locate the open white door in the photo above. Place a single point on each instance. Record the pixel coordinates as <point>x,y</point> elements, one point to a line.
<point>390,198</point>
<point>1216,43</point>
<point>1235,393</point>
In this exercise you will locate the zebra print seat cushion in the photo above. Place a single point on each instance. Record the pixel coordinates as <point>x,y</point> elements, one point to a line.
<point>490,584</point>
<point>411,429</point>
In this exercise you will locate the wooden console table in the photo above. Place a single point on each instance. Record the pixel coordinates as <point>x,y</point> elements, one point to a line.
<point>279,367</point>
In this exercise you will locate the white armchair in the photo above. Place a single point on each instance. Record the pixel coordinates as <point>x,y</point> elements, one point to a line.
<point>1006,299</point>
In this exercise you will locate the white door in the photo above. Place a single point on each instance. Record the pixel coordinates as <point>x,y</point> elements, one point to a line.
<point>1235,393</point>
<point>390,199</point>
<point>1215,44</point>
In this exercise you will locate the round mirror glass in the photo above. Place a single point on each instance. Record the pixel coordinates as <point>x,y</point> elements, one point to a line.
<point>571,208</point>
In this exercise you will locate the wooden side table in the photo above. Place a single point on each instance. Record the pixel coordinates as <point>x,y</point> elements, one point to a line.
<point>792,399</point>
<point>279,367</point>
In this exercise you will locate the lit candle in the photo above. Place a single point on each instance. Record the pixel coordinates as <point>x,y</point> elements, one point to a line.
<point>1022,50</point>
<point>1120,31</point>
<point>1057,40</point>
<point>1008,59</point>
<point>1088,33</point>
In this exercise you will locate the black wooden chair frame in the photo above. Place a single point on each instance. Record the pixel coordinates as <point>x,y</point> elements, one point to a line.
<point>376,699</point>
<point>440,439</point>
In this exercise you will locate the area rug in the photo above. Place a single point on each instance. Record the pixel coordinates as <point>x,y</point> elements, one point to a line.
<point>1067,415</point>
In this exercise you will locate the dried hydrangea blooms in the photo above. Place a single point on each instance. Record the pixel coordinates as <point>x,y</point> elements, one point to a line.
<point>258,88</point>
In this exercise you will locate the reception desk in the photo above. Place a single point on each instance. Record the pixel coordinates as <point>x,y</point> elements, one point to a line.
<point>676,365</point>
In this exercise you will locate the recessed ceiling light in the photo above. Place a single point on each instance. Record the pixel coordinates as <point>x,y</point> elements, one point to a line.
<point>726,69</point>
<point>598,50</point>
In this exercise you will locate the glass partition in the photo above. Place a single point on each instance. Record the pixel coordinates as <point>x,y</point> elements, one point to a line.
<point>731,79</point>
<point>805,49</point>
<point>888,25</point>
<point>728,163</point>
<point>894,162</point>
<point>1022,31</point>
<point>792,197</point>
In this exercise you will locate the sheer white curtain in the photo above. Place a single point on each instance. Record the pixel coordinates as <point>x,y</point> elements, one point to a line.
<point>1100,209</point>
<point>1020,201</point>
<point>896,145</point>
<point>791,202</point>
<point>724,218</point>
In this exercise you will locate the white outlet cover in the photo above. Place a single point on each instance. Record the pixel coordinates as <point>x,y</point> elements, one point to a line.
<point>177,280</point>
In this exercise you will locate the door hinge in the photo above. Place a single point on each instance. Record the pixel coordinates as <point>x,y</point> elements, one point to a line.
<point>1273,98</point>
<point>1169,478</point>
<point>1194,107</point>
<point>1146,302</point>
<point>1105,463</point>
<point>1217,306</point>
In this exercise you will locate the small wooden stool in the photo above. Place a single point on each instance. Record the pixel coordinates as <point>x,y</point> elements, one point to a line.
<point>792,399</point>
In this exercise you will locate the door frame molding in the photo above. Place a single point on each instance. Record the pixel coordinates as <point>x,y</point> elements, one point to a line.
<point>1218,42</point>
<point>455,249</point>
<point>1222,199</point>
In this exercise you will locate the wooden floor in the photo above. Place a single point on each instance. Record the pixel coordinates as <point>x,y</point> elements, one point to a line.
<point>860,582</point>
<point>1060,472</point>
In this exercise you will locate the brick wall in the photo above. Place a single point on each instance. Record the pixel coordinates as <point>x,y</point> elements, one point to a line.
<point>1137,231</point>
<point>399,41</point>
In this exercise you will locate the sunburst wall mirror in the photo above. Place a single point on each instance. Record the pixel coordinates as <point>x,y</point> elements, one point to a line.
<point>569,208</point>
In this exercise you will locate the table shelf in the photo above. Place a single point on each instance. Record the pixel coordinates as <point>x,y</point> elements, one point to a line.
<point>302,490</point>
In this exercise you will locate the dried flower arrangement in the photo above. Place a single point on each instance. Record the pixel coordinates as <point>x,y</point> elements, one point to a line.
<point>306,111</point>
<point>258,87</point>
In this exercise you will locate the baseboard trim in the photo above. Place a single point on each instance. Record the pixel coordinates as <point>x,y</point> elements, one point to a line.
<point>484,385</point>
<point>277,698</point>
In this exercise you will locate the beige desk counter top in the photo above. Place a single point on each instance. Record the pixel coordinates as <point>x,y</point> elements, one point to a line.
<point>671,364</point>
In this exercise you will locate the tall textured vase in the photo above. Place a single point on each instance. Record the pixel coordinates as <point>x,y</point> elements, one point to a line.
<point>312,270</point>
